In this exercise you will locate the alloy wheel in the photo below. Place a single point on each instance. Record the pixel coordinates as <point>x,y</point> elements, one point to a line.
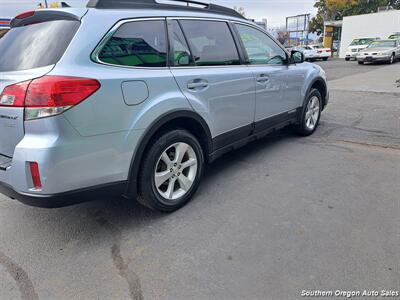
<point>312,113</point>
<point>176,171</point>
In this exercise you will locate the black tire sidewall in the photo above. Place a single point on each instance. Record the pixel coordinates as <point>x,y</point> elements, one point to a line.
<point>149,196</point>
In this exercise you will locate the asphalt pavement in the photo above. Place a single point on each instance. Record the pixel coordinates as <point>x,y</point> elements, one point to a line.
<point>270,220</point>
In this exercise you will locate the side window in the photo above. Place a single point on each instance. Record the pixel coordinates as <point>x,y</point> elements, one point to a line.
<point>182,55</point>
<point>211,42</point>
<point>260,48</point>
<point>137,44</point>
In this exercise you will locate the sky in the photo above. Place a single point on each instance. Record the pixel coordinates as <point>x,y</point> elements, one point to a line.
<point>274,11</point>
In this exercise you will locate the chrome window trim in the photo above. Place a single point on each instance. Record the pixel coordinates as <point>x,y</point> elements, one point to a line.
<point>95,54</point>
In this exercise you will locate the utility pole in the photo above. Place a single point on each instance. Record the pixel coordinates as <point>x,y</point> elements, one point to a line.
<point>45,2</point>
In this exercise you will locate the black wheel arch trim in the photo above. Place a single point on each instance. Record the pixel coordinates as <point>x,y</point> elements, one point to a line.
<point>131,187</point>
<point>323,81</point>
<point>325,98</point>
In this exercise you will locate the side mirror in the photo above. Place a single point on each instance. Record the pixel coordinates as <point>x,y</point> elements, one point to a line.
<point>183,59</point>
<point>296,57</point>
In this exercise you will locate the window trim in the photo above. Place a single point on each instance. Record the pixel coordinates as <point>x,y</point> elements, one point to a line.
<point>285,63</point>
<point>228,23</point>
<point>172,45</point>
<point>96,52</point>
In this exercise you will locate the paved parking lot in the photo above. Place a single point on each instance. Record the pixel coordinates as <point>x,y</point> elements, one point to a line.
<point>274,218</point>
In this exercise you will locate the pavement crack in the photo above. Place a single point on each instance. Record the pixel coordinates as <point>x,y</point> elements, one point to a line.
<point>25,285</point>
<point>383,146</point>
<point>335,126</point>
<point>135,290</point>
<point>348,142</point>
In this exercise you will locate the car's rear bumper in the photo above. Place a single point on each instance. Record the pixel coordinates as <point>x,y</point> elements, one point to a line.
<point>104,191</point>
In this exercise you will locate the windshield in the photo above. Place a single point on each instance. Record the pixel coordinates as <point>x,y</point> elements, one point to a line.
<point>358,42</point>
<point>36,45</point>
<point>383,44</point>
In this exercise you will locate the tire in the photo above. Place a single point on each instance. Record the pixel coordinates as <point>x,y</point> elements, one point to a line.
<point>304,128</point>
<point>392,59</point>
<point>347,59</point>
<point>325,58</point>
<point>360,62</point>
<point>174,180</point>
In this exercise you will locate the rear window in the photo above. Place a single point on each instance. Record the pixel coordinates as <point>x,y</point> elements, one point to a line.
<point>36,45</point>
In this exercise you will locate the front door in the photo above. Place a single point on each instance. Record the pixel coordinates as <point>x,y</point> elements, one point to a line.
<point>267,60</point>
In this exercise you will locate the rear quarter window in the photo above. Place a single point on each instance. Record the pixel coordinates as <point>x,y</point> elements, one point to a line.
<point>36,45</point>
<point>137,44</point>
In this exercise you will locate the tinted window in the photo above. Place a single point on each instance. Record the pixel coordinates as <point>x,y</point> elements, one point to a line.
<point>36,45</point>
<point>260,48</point>
<point>182,55</point>
<point>137,44</point>
<point>211,42</point>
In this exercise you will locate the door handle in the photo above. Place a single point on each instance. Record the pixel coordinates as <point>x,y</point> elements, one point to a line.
<point>197,84</point>
<point>263,78</point>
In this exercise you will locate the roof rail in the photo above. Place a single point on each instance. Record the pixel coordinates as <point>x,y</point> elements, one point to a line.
<point>126,4</point>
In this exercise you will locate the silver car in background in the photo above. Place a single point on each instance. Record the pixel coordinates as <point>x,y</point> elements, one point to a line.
<point>380,51</point>
<point>133,98</point>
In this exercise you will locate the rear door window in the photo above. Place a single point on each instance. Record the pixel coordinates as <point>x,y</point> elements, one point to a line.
<point>211,42</point>
<point>182,55</point>
<point>36,45</point>
<point>137,44</point>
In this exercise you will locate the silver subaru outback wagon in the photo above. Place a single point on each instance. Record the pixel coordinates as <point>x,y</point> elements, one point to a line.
<point>133,98</point>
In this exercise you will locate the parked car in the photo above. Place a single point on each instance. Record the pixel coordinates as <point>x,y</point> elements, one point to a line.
<point>380,51</point>
<point>322,52</point>
<point>309,53</point>
<point>394,36</point>
<point>356,46</point>
<point>134,99</point>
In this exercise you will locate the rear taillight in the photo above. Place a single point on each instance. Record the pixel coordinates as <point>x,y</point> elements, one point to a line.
<point>48,95</point>
<point>14,95</point>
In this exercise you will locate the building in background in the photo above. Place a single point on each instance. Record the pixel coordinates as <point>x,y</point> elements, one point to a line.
<point>375,25</point>
<point>263,24</point>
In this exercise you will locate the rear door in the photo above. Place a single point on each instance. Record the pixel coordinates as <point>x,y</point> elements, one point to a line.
<point>27,52</point>
<point>207,67</point>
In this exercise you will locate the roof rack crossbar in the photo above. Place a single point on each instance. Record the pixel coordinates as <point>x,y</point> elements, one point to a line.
<point>131,4</point>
